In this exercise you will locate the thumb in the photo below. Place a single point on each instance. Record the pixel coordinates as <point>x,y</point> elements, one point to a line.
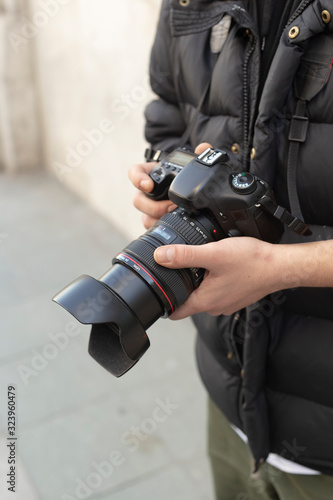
<point>202,147</point>
<point>179,256</point>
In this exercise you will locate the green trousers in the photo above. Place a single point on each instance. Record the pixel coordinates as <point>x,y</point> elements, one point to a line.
<point>231,462</point>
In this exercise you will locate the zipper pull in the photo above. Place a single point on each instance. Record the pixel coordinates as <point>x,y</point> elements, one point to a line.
<point>249,34</point>
<point>263,44</point>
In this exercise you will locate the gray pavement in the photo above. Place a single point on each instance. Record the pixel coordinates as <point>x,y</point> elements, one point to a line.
<point>81,433</point>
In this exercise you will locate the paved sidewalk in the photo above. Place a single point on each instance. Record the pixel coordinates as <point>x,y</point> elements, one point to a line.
<point>81,432</point>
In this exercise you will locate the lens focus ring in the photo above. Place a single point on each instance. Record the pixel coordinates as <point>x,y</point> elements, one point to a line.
<point>144,253</point>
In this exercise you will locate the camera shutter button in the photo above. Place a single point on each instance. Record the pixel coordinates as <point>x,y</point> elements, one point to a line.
<point>157,174</point>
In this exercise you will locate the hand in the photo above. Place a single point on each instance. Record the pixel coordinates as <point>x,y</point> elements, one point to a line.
<point>152,210</point>
<point>239,272</point>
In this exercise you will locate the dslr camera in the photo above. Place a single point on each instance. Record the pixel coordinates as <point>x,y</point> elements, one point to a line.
<point>215,200</point>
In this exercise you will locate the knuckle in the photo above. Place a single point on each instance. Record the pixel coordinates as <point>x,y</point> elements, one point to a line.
<point>137,200</point>
<point>201,304</point>
<point>188,255</point>
<point>147,221</point>
<point>147,167</point>
<point>154,212</point>
<point>157,210</point>
<point>132,172</point>
<point>215,312</point>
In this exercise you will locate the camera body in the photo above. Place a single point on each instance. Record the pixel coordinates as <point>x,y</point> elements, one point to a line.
<point>214,184</point>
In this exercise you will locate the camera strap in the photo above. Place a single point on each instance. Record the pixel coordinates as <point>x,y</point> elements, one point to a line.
<point>154,154</point>
<point>294,223</point>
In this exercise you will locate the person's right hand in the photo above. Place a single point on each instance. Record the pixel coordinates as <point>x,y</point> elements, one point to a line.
<point>152,210</point>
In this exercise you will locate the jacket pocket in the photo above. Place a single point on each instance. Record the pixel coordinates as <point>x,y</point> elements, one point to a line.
<point>315,67</point>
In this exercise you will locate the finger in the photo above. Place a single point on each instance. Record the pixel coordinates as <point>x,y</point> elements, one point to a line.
<point>150,207</point>
<point>148,221</point>
<point>139,176</point>
<point>184,256</point>
<point>202,147</point>
<point>193,305</point>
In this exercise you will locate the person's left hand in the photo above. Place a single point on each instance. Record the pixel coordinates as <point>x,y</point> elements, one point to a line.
<point>239,272</point>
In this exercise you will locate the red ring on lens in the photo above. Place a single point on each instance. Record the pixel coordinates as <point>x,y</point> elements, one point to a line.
<point>151,277</point>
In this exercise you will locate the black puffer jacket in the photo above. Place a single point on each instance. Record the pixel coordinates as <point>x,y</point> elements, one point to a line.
<point>269,368</point>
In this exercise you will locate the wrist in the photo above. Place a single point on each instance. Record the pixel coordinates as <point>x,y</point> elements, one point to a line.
<point>297,265</point>
<point>277,267</point>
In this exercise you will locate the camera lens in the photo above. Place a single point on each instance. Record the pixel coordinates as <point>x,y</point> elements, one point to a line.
<point>171,287</point>
<point>136,291</point>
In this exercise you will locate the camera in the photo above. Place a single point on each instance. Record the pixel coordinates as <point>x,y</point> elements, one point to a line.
<point>215,199</point>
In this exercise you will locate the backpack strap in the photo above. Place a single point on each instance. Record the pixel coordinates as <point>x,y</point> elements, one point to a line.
<point>297,135</point>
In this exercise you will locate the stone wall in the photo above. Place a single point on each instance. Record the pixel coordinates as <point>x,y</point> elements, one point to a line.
<point>91,60</point>
<point>20,140</point>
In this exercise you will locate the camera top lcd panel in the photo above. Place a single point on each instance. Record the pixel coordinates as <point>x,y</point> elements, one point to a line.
<point>165,171</point>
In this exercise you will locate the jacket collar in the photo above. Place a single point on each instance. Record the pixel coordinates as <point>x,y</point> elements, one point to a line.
<point>201,15</point>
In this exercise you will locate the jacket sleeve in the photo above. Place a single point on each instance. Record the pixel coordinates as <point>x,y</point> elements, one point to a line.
<point>164,122</point>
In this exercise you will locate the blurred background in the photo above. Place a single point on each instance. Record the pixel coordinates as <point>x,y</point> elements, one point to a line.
<point>73,88</point>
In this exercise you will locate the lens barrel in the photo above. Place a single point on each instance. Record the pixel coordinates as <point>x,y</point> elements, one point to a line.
<point>136,291</point>
<point>171,286</point>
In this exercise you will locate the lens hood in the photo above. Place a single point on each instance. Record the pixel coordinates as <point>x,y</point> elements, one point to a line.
<point>118,339</point>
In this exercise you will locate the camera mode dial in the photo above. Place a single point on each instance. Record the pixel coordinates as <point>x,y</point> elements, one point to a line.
<point>243,183</point>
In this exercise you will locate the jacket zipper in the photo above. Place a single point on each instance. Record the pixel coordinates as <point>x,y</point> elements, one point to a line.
<point>246,107</point>
<point>299,10</point>
<point>231,341</point>
<point>246,110</point>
